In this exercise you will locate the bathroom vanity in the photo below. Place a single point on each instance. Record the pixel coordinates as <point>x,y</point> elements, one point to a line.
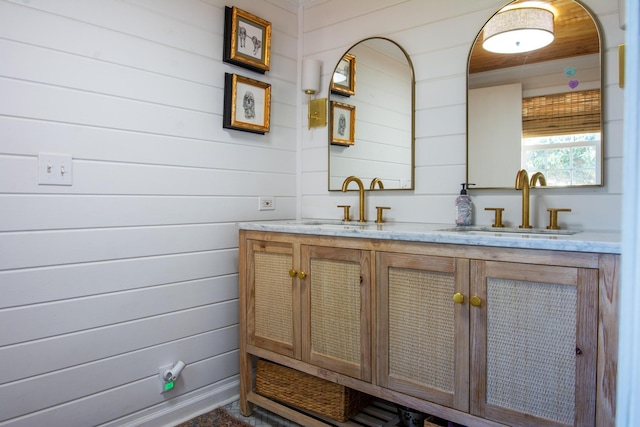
<point>478,327</point>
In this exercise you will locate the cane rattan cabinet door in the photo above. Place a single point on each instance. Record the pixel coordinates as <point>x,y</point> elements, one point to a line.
<point>336,321</point>
<point>273,298</point>
<point>423,327</point>
<point>534,344</point>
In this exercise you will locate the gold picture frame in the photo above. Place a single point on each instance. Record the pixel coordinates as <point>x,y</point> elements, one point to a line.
<point>247,40</point>
<point>343,123</point>
<point>344,78</point>
<point>247,104</point>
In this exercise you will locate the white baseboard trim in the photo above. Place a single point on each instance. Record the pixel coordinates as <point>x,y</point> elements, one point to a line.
<point>183,407</point>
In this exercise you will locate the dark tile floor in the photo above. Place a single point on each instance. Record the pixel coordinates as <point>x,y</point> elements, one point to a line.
<point>260,417</point>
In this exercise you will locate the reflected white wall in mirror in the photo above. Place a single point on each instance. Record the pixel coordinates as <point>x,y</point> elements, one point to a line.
<point>384,118</point>
<point>498,119</point>
<point>496,122</point>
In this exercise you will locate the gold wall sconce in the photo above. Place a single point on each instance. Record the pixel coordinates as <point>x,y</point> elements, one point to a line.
<point>317,115</point>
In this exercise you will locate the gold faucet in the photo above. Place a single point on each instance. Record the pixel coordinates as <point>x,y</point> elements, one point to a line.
<point>375,181</point>
<point>522,183</point>
<point>538,177</point>
<point>345,184</point>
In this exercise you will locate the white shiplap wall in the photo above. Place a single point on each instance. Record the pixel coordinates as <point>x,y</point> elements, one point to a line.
<point>438,36</point>
<point>135,265</point>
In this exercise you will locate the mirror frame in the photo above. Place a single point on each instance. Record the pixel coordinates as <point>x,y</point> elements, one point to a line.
<point>602,103</point>
<point>413,117</point>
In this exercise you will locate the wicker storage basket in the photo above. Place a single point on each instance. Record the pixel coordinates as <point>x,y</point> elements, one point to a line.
<point>307,392</point>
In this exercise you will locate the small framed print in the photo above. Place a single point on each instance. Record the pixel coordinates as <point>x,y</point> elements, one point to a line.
<point>247,40</point>
<point>343,122</point>
<point>344,77</point>
<point>247,104</point>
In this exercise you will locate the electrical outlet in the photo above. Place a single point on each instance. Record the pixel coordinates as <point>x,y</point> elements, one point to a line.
<point>55,169</point>
<point>266,203</point>
<point>166,385</point>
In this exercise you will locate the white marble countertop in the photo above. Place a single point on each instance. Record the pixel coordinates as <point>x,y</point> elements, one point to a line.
<point>582,241</point>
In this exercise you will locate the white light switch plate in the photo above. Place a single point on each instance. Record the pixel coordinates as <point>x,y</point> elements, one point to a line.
<point>55,169</point>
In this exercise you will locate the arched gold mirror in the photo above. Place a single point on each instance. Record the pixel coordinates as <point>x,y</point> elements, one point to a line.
<point>539,110</point>
<point>371,116</point>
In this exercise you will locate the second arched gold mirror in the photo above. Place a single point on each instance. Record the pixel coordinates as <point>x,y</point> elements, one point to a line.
<point>539,110</point>
<point>371,116</point>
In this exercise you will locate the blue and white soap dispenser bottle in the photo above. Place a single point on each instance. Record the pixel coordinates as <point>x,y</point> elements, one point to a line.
<point>464,207</point>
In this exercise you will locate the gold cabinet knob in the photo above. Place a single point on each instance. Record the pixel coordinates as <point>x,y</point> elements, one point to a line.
<point>458,298</point>
<point>300,274</point>
<point>475,301</point>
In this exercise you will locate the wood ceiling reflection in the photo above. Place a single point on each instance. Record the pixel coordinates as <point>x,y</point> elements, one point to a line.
<point>575,35</point>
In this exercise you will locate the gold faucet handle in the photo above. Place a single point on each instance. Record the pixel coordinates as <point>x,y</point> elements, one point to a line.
<point>380,209</point>
<point>497,220</point>
<point>346,216</point>
<point>553,217</point>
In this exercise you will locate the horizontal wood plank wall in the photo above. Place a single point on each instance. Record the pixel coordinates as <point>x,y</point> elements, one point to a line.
<point>124,270</point>
<point>135,265</point>
<point>438,36</point>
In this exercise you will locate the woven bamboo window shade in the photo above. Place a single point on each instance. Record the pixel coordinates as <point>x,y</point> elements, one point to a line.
<point>561,114</point>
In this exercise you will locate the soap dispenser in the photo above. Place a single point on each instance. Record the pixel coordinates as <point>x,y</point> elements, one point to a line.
<point>464,207</point>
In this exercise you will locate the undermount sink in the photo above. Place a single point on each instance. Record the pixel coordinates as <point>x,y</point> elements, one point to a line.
<point>330,222</point>
<point>485,229</point>
<point>317,222</point>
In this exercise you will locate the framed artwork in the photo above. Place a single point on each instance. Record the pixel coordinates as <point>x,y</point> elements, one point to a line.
<point>344,77</point>
<point>343,123</point>
<point>247,104</point>
<point>247,40</point>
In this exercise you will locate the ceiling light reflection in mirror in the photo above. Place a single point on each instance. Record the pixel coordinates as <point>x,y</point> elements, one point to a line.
<point>517,30</point>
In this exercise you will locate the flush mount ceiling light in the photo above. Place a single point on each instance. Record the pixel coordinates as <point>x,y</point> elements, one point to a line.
<point>518,30</point>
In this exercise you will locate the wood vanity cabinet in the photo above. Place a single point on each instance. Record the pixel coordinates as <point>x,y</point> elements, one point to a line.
<point>534,343</point>
<point>423,335</point>
<point>311,303</point>
<point>511,342</point>
<point>483,336</point>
